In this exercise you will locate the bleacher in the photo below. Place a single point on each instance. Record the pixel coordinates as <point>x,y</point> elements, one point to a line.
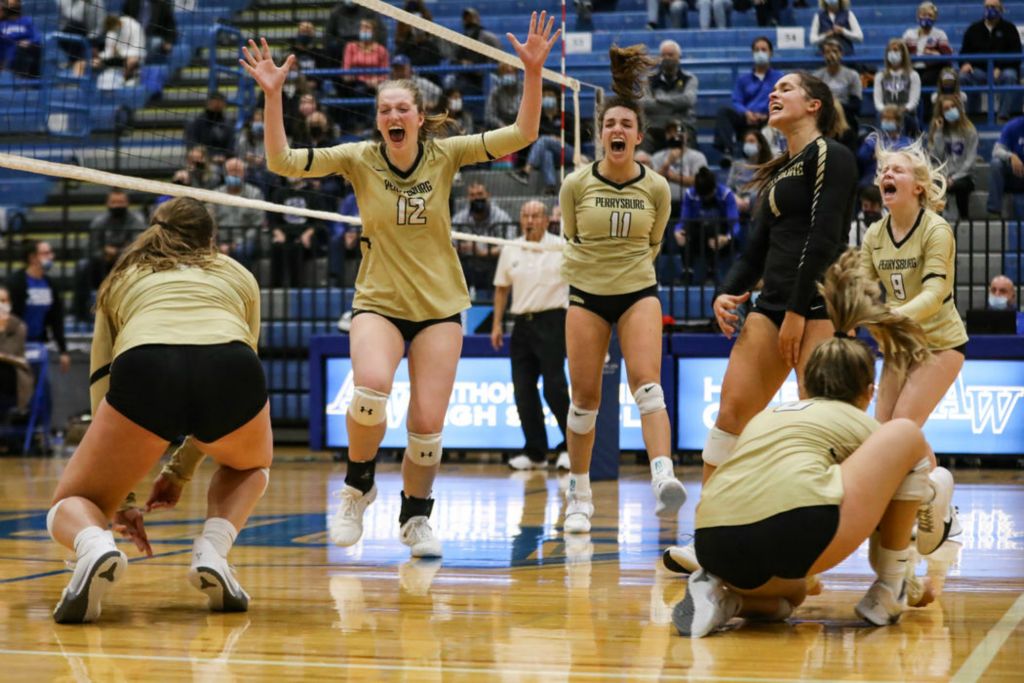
<point>138,130</point>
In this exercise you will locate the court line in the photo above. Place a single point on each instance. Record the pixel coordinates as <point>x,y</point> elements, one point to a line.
<point>979,660</point>
<point>65,570</point>
<point>630,675</point>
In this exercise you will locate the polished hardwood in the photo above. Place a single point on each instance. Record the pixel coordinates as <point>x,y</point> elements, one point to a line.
<point>513,599</point>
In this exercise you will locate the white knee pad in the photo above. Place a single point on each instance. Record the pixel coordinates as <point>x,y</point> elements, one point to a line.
<point>424,449</point>
<point>915,486</point>
<point>581,420</point>
<point>368,407</point>
<point>51,514</point>
<point>719,447</point>
<point>649,398</point>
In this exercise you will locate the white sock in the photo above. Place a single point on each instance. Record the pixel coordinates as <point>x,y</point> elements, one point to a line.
<point>579,484</point>
<point>892,566</point>
<point>221,534</point>
<point>90,536</point>
<point>661,468</point>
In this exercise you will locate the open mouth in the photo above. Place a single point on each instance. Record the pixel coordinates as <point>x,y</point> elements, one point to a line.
<point>775,107</point>
<point>396,134</point>
<point>618,145</point>
<point>888,188</point>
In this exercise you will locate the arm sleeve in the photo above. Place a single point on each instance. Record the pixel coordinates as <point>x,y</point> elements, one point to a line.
<point>854,33</point>
<point>252,311</point>
<point>184,461</point>
<point>663,208</point>
<point>100,359</point>
<point>834,182</point>
<point>314,163</point>
<point>1000,152</point>
<point>567,200</point>
<point>877,95</point>
<point>749,267</point>
<point>486,146</point>
<point>936,283</point>
<point>867,265</point>
<point>816,36</point>
<point>915,91</point>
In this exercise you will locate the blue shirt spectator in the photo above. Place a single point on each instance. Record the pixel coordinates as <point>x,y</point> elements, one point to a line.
<point>893,137</point>
<point>709,228</point>
<point>18,40</point>
<point>36,301</point>
<point>1006,169</point>
<point>749,107</point>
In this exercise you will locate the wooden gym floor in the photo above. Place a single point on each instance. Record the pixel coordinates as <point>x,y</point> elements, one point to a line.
<point>511,601</point>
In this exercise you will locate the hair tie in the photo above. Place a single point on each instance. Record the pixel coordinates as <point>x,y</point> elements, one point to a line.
<point>163,224</point>
<point>841,335</point>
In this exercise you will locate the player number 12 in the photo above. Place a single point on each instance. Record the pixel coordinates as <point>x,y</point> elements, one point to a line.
<point>410,211</point>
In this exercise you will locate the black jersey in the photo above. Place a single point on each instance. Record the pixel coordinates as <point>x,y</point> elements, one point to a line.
<point>800,228</point>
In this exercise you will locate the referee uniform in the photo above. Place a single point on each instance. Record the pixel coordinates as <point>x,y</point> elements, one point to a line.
<point>537,349</point>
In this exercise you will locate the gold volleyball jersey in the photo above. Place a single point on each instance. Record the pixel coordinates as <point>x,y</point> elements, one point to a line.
<point>218,304</point>
<point>917,274</point>
<point>786,458</point>
<point>613,231</point>
<point>410,269</point>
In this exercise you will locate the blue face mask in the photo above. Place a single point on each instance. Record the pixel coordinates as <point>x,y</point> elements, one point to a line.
<point>46,265</point>
<point>926,22</point>
<point>366,36</point>
<point>233,181</point>
<point>993,14</point>
<point>889,126</point>
<point>951,115</point>
<point>761,57</point>
<point>548,102</point>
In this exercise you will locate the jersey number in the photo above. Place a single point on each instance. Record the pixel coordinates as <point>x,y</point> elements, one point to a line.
<point>410,211</point>
<point>793,407</point>
<point>620,223</point>
<point>898,290</point>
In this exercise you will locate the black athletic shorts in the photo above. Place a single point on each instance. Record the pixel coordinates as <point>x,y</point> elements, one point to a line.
<point>609,306</point>
<point>409,328</point>
<point>177,390</point>
<point>962,349</point>
<point>785,545</point>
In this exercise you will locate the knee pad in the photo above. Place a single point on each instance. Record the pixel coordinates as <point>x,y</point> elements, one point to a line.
<point>424,449</point>
<point>649,398</point>
<point>368,407</point>
<point>718,447</point>
<point>51,514</point>
<point>915,486</point>
<point>581,420</point>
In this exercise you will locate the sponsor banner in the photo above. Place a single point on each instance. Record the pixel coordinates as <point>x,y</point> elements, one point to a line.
<point>982,413</point>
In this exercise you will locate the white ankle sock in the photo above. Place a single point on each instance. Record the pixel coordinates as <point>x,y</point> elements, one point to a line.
<point>892,565</point>
<point>90,536</point>
<point>661,468</point>
<point>579,484</point>
<point>220,533</point>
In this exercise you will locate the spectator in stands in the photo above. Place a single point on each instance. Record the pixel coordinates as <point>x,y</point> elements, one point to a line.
<point>343,253</point>
<point>401,68</point>
<point>749,106</point>
<point>673,95</point>
<point>709,228</point>
<point>1006,169</point>
<point>124,48</point>
<point>926,39</point>
<point>768,12</point>
<point>239,228</point>
<point>158,23</point>
<point>472,83</point>
<point>669,14</point>
<point>1002,295</point>
<point>481,216</point>
<point>365,53</point>
<point>343,27</point>
<point>837,21</point>
<point>249,144</point>
<point>545,153</point>
<point>119,224</point>
<point>37,301</point>
<point>640,157</point>
<point>296,240</point>
<point>308,54</point>
<point>503,101</point>
<point>992,34</point>
<point>843,81</point>
<point>91,272</point>
<point>295,120</point>
<point>212,129</point>
<point>949,84</point>
<point>421,47</point>
<point>678,162</point>
<point>19,44</point>
<point>81,18</point>
<point>16,380</point>
<point>892,136</point>
<point>198,171</point>
<point>458,112</point>
<point>898,85</point>
<point>870,212</point>
<point>755,152</point>
<point>953,141</point>
<point>717,10</point>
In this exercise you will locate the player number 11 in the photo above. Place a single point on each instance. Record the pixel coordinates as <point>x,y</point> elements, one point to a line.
<point>620,223</point>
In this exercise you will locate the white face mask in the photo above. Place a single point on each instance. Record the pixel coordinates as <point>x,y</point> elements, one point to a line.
<point>5,310</point>
<point>895,57</point>
<point>996,302</point>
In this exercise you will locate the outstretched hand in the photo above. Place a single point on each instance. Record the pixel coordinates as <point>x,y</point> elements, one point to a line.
<point>128,523</point>
<point>165,494</point>
<point>259,63</point>
<point>534,52</point>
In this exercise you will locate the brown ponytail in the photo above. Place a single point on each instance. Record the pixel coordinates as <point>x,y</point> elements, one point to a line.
<point>631,67</point>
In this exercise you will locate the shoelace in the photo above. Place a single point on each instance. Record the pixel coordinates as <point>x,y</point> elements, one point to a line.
<point>419,531</point>
<point>348,503</point>
<point>925,521</point>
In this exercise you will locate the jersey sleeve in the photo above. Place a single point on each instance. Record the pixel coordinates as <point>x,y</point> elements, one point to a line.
<point>307,162</point>
<point>252,310</point>
<point>936,275</point>
<point>663,208</point>
<point>486,146</point>
<point>567,200</point>
<point>867,263</point>
<point>100,359</point>
<point>835,182</point>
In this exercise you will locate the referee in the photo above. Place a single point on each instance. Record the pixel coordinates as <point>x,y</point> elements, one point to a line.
<point>538,337</point>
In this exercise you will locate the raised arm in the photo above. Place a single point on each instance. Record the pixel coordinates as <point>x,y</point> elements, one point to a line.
<point>259,63</point>
<point>533,52</point>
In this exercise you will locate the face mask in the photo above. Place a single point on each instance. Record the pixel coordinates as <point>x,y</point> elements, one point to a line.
<point>669,65</point>
<point>831,4</point>
<point>993,14</point>
<point>455,106</point>
<point>304,40</point>
<point>761,57</point>
<point>750,149</point>
<point>999,303</point>
<point>951,115</point>
<point>889,126</point>
<point>233,181</point>
<point>470,29</point>
<point>118,212</point>
<point>257,129</point>
<point>5,310</point>
<point>926,22</point>
<point>366,36</point>
<point>548,102</point>
<point>895,57</point>
<point>317,130</point>
<point>478,206</point>
<point>46,265</point>
<point>508,79</point>
<point>872,217</point>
